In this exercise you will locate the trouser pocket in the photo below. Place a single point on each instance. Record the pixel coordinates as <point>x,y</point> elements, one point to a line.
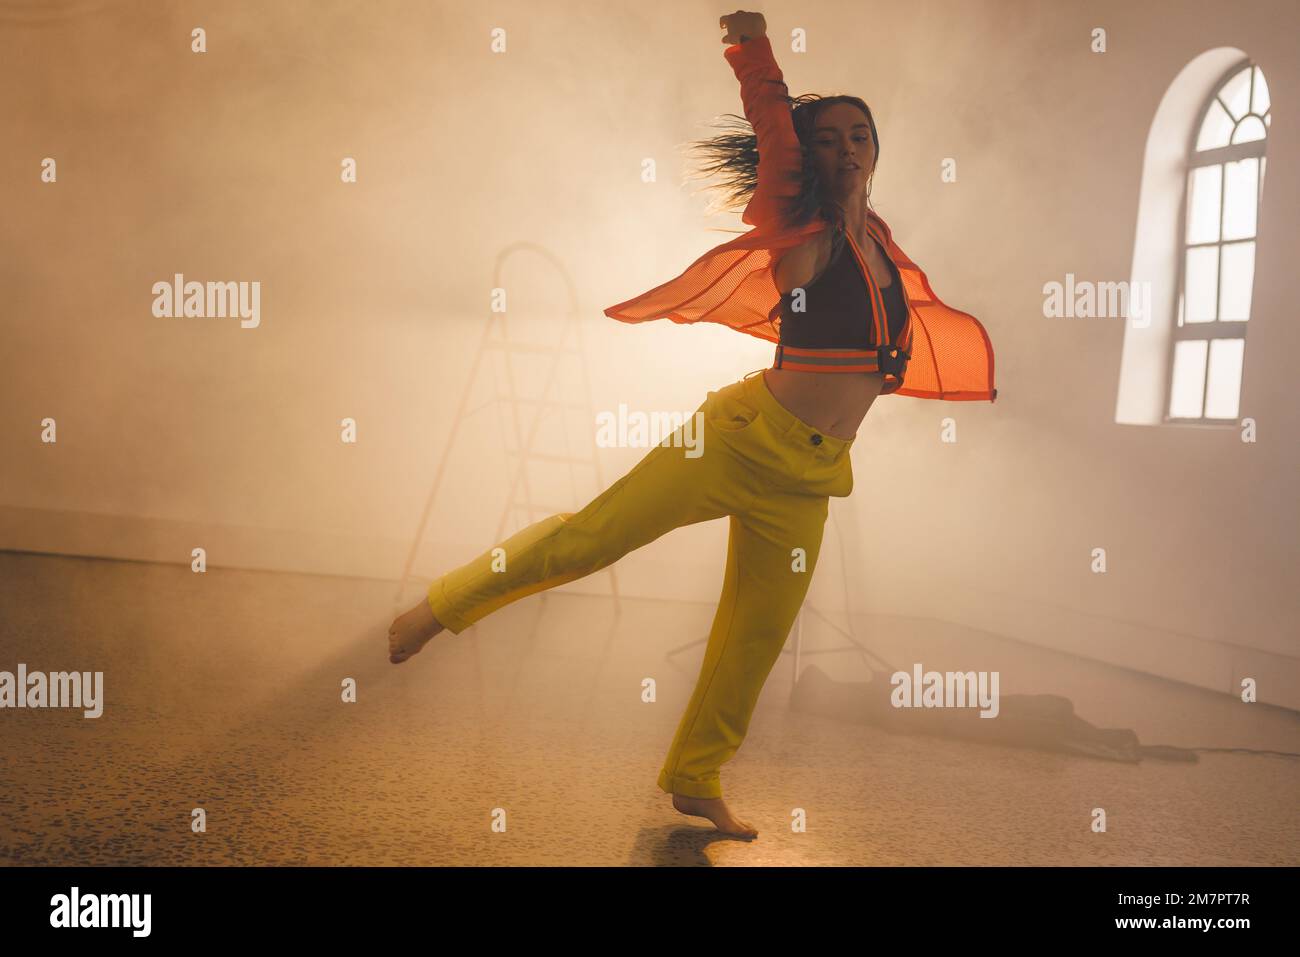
<point>727,412</point>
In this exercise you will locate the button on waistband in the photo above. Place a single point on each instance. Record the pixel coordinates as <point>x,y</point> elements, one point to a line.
<point>816,439</point>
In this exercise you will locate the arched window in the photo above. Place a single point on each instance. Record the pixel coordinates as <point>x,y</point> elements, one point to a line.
<point>1224,185</point>
<point>1194,251</point>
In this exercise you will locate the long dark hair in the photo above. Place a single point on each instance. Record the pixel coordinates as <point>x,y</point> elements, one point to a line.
<point>732,156</point>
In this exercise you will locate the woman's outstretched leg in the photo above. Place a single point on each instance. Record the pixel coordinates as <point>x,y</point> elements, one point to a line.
<point>670,487</point>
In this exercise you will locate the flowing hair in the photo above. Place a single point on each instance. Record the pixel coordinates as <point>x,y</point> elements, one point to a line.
<point>732,156</point>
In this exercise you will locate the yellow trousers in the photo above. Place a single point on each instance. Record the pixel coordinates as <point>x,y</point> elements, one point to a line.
<point>754,461</point>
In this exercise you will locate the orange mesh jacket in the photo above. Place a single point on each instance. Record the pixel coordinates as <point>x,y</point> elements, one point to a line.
<point>733,284</point>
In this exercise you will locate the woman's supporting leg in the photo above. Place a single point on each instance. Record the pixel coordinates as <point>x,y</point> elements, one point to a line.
<point>771,554</point>
<point>665,490</point>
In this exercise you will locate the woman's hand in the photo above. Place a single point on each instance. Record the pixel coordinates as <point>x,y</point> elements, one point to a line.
<point>741,26</point>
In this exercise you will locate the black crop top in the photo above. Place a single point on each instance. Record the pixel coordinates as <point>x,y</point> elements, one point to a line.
<point>837,308</point>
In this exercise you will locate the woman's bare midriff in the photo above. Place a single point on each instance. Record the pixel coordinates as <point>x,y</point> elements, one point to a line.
<point>835,403</point>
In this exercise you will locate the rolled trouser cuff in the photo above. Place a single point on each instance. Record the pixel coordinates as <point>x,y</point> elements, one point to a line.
<point>442,610</point>
<point>711,788</point>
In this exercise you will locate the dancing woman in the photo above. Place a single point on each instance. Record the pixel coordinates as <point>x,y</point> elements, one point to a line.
<point>852,317</point>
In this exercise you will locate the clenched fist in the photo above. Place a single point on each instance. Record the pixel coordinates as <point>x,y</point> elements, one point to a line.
<point>742,25</point>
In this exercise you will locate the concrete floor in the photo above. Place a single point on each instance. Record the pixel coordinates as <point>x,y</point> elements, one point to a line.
<point>223,692</point>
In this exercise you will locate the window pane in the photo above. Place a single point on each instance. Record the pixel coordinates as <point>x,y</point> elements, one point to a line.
<point>1249,130</point>
<point>1259,102</point>
<point>1189,379</point>
<point>1203,204</point>
<point>1236,94</point>
<point>1202,283</point>
<point>1240,197</point>
<point>1238,276</point>
<point>1216,128</point>
<point>1223,389</point>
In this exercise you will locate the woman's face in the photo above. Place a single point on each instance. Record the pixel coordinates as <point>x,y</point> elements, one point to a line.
<point>842,149</point>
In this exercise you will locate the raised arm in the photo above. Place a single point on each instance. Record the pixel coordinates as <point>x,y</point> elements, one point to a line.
<point>762,89</point>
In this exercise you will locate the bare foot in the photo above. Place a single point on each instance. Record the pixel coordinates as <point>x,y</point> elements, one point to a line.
<point>410,630</point>
<point>716,810</point>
